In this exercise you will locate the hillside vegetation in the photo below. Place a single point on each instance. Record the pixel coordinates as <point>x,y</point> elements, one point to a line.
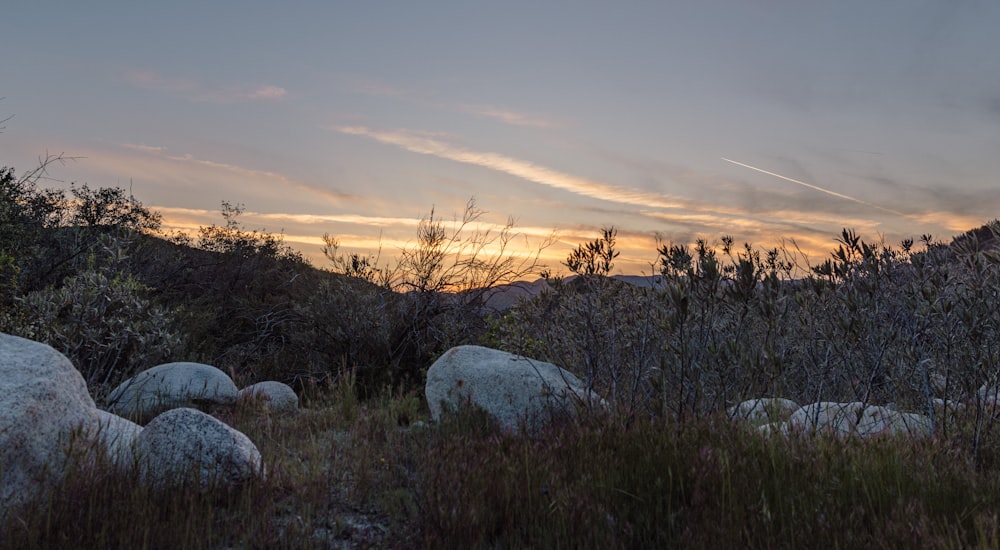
<point>914,325</point>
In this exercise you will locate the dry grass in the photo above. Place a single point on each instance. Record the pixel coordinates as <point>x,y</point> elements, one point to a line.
<point>347,474</point>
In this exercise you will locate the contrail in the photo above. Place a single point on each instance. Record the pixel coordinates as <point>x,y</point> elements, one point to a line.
<point>817,188</point>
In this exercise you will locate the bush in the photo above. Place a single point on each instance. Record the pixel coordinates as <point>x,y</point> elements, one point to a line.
<point>103,323</point>
<point>393,321</point>
<point>873,323</point>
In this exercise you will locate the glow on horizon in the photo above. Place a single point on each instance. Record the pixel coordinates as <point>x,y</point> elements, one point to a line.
<point>638,250</point>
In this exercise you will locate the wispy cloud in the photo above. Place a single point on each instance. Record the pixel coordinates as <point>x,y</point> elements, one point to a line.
<point>510,117</point>
<point>670,208</point>
<point>375,88</point>
<point>198,91</point>
<point>267,92</point>
<point>247,174</point>
<point>529,171</point>
<point>144,148</point>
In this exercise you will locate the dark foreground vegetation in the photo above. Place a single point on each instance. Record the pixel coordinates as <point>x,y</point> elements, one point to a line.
<point>90,273</point>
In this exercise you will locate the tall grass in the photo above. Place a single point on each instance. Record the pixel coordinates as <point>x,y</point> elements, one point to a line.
<point>364,476</point>
<point>709,484</point>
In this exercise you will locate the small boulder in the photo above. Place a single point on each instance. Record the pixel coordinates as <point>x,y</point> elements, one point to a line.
<point>947,404</point>
<point>511,388</point>
<point>874,421</point>
<point>275,395</point>
<point>881,421</point>
<point>45,409</point>
<point>758,412</point>
<point>186,447</point>
<point>171,386</point>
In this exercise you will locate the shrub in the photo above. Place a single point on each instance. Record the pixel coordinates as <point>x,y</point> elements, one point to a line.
<point>392,321</point>
<point>103,323</point>
<point>873,323</point>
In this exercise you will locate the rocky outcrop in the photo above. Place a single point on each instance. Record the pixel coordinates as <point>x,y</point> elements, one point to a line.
<point>45,410</point>
<point>188,448</point>
<point>170,386</point>
<point>275,396</point>
<point>511,388</point>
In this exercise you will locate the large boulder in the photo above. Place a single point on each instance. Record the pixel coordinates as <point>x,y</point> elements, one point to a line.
<point>766,410</point>
<point>117,436</point>
<point>276,396</point>
<point>511,388</point>
<point>44,410</point>
<point>188,448</point>
<point>172,386</point>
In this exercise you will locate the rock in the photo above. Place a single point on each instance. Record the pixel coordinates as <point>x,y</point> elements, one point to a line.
<point>849,419</point>
<point>758,412</point>
<point>827,417</point>
<point>874,421</point>
<point>277,396</point>
<point>509,387</point>
<point>117,436</point>
<point>948,404</point>
<point>171,386</point>
<point>912,424</point>
<point>188,448</point>
<point>45,409</point>
<point>881,421</point>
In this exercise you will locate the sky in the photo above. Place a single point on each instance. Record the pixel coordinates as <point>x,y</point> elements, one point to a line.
<point>772,121</point>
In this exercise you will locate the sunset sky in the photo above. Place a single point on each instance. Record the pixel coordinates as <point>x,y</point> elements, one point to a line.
<point>761,119</point>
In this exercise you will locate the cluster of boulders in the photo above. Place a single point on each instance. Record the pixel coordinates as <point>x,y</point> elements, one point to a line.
<point>192,385</point>
<point>160,422</point>
<point>777,415</point>
<point>156,424</point>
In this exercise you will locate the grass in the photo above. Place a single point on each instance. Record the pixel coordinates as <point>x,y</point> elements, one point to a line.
<point>346,473</point>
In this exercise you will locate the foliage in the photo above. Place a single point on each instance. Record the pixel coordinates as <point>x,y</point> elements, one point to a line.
<point>103,323</point>
<point>392,321</point>
<point>66,276</point>
<point>25,211</point>
<point>873,323</point>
